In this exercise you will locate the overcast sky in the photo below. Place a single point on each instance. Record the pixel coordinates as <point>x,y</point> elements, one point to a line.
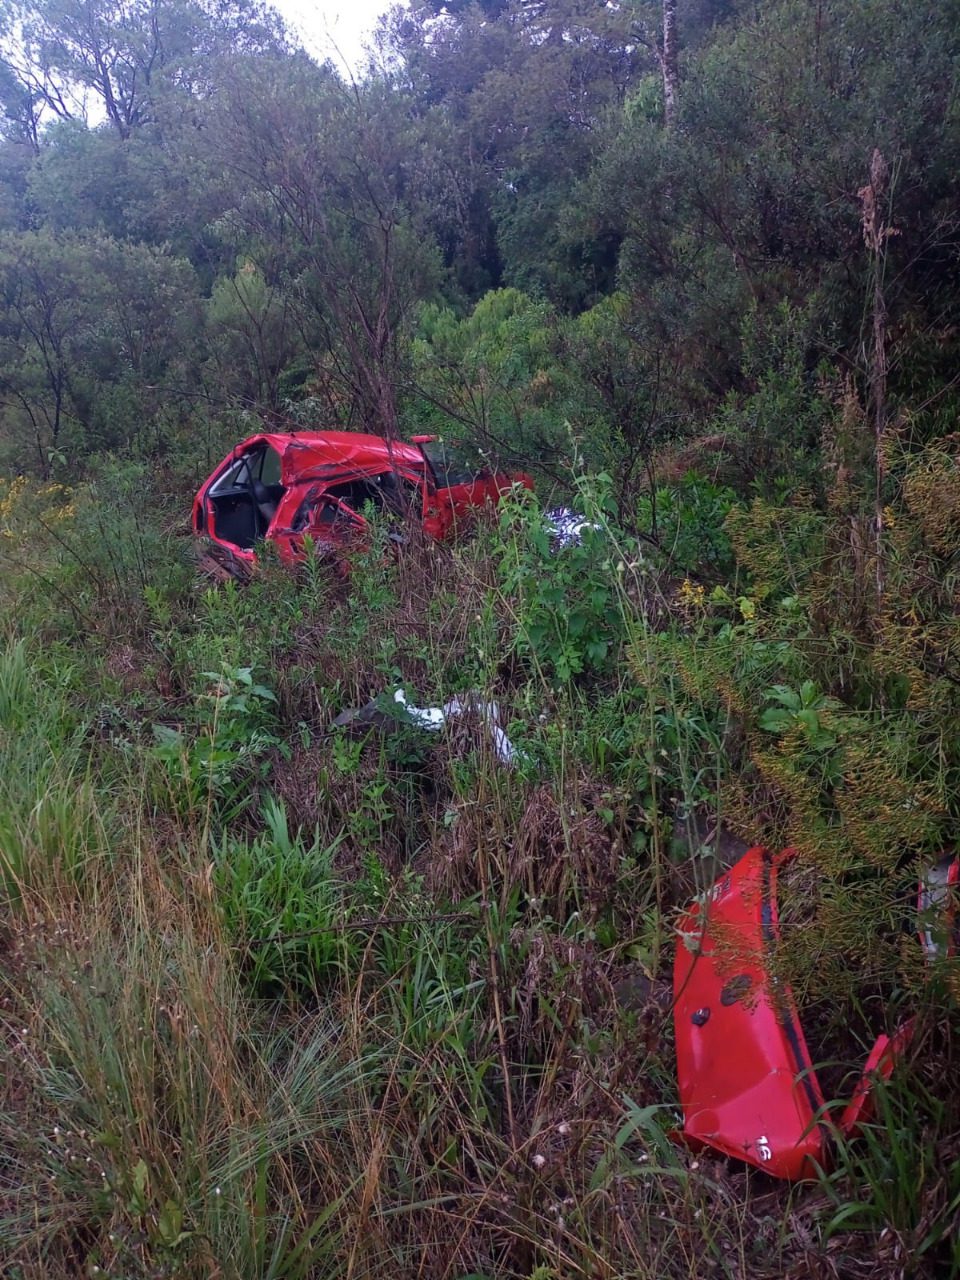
<point>334,29</point>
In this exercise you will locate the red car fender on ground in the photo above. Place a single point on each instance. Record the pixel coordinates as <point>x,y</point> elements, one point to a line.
<point>746,1083</point>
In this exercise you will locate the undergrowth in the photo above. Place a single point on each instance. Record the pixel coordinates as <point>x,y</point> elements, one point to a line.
<point>288,999</point>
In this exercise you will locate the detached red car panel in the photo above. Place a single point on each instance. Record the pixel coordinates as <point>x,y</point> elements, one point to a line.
<point>747,1087</point>
<point>285,486</point>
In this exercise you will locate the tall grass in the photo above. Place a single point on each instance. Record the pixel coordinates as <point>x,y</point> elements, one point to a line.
<point>378,1006</point>
<point>53,826</point>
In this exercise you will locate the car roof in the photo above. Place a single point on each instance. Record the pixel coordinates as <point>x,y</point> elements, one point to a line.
<point>329,452</point>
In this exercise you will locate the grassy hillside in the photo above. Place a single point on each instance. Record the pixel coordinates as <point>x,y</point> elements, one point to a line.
<point>285,1000</point>
<point>285,996</point>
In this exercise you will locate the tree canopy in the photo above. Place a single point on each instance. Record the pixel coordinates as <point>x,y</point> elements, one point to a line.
<point>659,189</point>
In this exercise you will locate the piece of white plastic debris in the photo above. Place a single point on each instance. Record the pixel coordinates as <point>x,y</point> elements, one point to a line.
<point>489,713</point>
<point>430,718</point>
<point>434,718</point>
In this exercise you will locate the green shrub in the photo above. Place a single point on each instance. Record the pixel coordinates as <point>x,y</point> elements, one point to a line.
<point>565,602</point>
<point>220,760</point>
<point>689,522</point>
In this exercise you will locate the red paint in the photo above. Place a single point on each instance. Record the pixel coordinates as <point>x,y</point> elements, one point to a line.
<point>744,1075</point>
<point>883,1057</point>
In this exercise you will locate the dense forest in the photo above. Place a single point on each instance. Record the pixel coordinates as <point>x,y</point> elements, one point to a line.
<point>282,998</point>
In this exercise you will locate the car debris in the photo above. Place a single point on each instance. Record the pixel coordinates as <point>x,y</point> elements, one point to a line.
<point>391,710</point>
<point>287,486</point>
<point>746,1082</point>
<point>566,527</point>
<point>938,909</point>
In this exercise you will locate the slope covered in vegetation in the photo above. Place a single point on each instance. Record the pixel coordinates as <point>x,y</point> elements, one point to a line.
<point>281,999</point>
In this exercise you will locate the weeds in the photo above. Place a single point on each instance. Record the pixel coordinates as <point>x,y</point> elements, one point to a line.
<point>280,906</point>
<point>901,1179</point>
<point>219,762</point>
<point>282,1001</point>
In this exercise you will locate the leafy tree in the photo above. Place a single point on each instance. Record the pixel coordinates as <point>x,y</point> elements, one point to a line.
<point>532,387</point>
<point>525,99</point>
<point>91,334</point>
<point>329,205</point>
<point>497,379</point>
<point>627,379</point>
<point>751,202</point>
<point>20,107</point>
<point>252,336</point>
<point>83,179</point>
<point>127,55</point>
<point>15,162</point>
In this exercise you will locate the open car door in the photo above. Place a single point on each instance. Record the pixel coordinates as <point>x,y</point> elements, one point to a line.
<point>238,505</point>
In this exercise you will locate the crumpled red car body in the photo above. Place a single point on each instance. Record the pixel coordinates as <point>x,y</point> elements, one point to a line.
<point>286,486</point>
<point>746,1083</point>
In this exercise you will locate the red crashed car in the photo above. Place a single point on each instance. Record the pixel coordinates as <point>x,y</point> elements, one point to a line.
<point>287,486</point>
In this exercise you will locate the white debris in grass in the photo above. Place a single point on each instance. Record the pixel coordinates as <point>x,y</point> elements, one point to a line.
<point>566,527</point>
<point>433,720</point>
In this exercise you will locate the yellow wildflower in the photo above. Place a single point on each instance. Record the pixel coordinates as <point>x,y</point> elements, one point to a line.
<point>691,597</point>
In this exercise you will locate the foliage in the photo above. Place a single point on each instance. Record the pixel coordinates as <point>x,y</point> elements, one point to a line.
<point>909,1179</point>
<point>495,377</point>
<point>219,763</point>
<point>688,520</point>
<point>90,329</point>
<point>280,905</point>
<point>252,336</point>
<point>53,830</point>
<point>568,619</point>
<point>289,992</point>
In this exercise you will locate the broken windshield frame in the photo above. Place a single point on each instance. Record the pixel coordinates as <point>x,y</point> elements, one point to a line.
<point>261,464</point>
<point>451,464</point>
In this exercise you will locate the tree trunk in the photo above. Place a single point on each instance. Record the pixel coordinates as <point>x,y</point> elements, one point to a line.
<point>668,62</point>
<point>876,232</point>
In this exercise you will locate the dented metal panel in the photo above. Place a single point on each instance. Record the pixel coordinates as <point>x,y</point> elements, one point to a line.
<point>240,505</point>
<point>746,1083</point>
<point>744,1073</point>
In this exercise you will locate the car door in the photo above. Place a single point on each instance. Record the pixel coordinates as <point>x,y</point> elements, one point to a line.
<point>232,515</point>
<point>453,488</point>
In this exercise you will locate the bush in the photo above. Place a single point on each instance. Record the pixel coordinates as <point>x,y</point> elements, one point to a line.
<point>567,615</point>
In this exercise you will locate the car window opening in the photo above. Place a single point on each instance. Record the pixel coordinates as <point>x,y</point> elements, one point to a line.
<point>451,464</point>
<point>245,498</point>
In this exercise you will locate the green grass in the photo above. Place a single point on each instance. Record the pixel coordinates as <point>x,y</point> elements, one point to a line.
<point>279,1002</point>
